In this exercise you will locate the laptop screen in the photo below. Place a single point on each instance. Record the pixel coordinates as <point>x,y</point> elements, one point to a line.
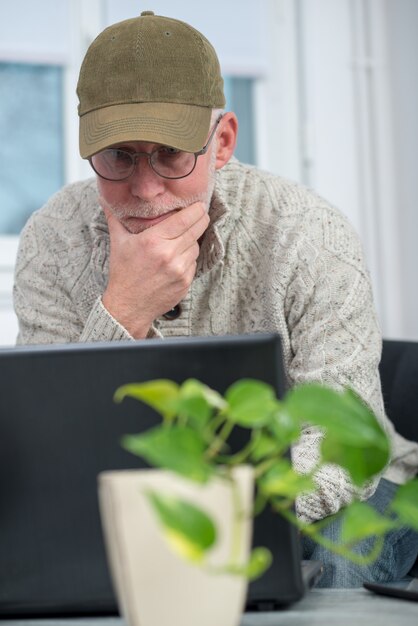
<point>59,428</point>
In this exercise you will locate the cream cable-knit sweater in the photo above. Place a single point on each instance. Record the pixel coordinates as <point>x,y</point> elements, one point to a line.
<point>276,257</point>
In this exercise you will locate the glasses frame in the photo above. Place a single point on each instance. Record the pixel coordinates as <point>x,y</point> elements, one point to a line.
<point>134,156</point>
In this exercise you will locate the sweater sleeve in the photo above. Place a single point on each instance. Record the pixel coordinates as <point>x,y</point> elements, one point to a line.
<point>44,307</point>
<point>335,340</point>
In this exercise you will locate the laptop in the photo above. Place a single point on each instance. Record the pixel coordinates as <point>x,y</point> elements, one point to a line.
<point>59,428</point>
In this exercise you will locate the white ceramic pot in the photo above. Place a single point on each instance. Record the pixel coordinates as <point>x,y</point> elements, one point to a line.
<point>153,585</point>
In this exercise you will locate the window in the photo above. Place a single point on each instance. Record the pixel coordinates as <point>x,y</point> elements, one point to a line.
<point>31,140</point>
<point>239,98</point>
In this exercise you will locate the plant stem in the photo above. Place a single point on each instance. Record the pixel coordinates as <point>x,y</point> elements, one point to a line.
<point>216,422</point>
<point>219,440</point>
<point>312,531</point>
<point>237,515</point>
<point>244,453</point>
<point>263,467</point>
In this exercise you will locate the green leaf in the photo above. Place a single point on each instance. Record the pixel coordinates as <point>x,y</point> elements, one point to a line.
<point>361,462</point>
<point>194,388</point>
<point>177,448</point>
<point>195,408</point>
<point>266,445</point>
<point>162,395</point>
<point>198,402</point>
<point>405,503</point>
<point>189,531</point>
<point>340,412</point>
<point>360,520</point>
<point>260,502</point>
<point>354,438</point>
<point>260,560</point>
<point>282,480</point>
<point>250,402</point>
<point>284,427</point>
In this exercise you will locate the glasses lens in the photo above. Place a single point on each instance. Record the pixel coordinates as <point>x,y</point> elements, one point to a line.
<point>172,163</point>
<point>113,164</point>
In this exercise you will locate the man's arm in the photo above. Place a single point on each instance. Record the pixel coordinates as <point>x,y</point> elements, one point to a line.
<point>44,306</point>
<point>151,272</point>
<point>335,340</point>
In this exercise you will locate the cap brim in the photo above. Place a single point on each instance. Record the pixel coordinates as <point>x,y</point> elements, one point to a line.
<point>181,126</point>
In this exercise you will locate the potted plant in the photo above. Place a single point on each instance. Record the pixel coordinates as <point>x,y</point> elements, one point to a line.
<point>199,501</point>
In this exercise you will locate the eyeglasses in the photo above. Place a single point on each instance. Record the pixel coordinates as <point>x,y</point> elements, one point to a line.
<point>118,164</point>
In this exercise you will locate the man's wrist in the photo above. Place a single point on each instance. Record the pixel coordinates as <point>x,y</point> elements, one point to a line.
<point>135,326</point>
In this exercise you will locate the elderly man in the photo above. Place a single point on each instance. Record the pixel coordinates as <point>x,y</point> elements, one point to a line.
<point>175,237</point>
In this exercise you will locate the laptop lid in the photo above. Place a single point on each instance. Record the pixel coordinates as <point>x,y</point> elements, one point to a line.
<point>59,428</point>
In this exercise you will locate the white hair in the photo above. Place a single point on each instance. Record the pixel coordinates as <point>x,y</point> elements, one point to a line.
<point>215,114</point>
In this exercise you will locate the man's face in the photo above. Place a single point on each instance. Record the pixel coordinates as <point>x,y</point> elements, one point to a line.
<point>144,199</point>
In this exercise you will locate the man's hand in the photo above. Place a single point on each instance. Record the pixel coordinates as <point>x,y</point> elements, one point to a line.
<point>150,272</point>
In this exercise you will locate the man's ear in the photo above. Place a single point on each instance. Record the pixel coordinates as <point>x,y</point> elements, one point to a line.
<point>226,139</point>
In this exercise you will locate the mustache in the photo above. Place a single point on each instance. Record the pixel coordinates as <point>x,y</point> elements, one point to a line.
<point>146,209</point>
<point>150,209</point>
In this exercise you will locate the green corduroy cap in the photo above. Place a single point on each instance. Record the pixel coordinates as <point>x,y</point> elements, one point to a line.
<point>150,78</point>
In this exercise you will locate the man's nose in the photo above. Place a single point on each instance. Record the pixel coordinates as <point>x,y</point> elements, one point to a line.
<point>144,182</point>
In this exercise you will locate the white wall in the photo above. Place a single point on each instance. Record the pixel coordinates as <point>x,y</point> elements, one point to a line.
<point>403,19</point>
<point>348,125</point>
<point>236,28</point>
<point>23,35</point>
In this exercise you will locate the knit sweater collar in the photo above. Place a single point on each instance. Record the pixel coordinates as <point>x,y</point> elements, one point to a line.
<point>212,248</point>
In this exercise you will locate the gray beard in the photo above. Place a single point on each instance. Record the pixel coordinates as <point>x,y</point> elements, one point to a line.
<point>146,209</point>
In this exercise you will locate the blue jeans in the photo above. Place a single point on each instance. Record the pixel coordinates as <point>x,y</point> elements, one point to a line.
<point>394,562</point>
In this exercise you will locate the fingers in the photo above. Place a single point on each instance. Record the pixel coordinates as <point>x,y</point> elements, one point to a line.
<point>179,223</point>
<point>188,225</point>
<point>192,236</point>
<point>193,229</point>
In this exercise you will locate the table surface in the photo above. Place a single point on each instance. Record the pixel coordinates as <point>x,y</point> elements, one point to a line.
<point>332,607</point>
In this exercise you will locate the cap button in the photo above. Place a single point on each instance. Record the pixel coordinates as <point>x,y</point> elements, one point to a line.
<point>147,13</point>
